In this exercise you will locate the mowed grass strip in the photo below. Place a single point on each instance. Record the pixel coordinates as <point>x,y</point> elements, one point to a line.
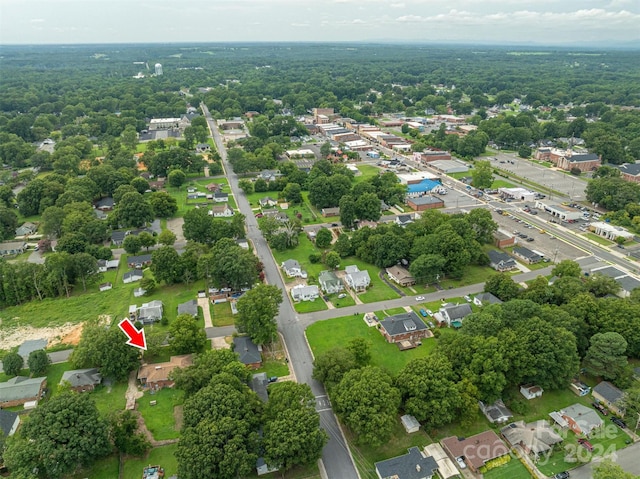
<point>163,456</point>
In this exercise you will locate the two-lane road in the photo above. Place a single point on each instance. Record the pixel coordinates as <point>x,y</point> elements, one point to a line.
<point>336,456</point>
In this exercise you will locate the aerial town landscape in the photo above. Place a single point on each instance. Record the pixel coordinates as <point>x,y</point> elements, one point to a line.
<point>319,260</point>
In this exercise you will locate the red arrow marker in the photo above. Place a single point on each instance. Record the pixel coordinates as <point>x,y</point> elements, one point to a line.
<point>136,338</point>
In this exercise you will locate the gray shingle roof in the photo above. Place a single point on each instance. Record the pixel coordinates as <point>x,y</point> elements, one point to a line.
<point>458,311</point>
<point>7,420</point>
<point>190,307</point>
<point>247,350</point>
<point>608,391</point>
<point>403,323</point>
<point>20,387</point>
<point>82,377</point>
<point>412,465</point>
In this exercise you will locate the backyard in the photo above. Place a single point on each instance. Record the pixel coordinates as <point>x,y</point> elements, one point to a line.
<point>514,469</point>
<point>160,418</point>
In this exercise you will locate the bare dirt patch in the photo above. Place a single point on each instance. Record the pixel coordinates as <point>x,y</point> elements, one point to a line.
<point>175,226</point>
<point>177,416</point>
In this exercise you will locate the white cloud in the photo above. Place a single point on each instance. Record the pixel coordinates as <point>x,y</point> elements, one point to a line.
<point>398,5</point>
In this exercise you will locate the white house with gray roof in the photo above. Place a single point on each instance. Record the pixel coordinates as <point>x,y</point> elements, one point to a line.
<point>293,269</point>
<point>302,292</point>
<point>357,280</point>
<point>453,314</point>
<point>329,282</point>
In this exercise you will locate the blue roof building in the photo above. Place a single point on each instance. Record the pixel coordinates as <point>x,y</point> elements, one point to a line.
<point>419,189</point>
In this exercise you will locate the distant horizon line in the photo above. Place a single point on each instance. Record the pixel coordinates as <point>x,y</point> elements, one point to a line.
<point>627,45</point>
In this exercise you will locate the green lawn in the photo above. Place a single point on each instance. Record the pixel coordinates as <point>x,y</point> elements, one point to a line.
<point>501,184</point>
<point>301,255</point>
<point>160,418</point>
<point>310,306</point>
<point>342,302</point>
<point>514,469</point>
<point>105,468</point>
<point>172,296</point>
<point>378,290</point>
<point>221,314</point>
<point>110,398</point>
<point>472,274</point>
<point>161,456</point>
<point>54,375</point>
<point>368,171</point>
<point>273,368</point>
<point>333,333</point>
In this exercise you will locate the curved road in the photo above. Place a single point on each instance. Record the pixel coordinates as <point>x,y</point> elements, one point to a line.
<point>336,456</point>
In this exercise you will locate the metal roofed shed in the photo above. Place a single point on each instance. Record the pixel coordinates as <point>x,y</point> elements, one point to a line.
<point>410,423</point>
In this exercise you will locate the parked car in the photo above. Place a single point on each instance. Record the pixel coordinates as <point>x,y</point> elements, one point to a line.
<point>342,295</point>
<point>601,408</point>
<point>467,298</point>
<point>460,461</point>
<point>619,422</point>
<point>273,379</point>
<point>429,312</point>
<point>562,475</point>
<point>586,444</point>
<point>431,325</point>
<point>419,298</point>
<point>530,240</point>
<point>423,313</point>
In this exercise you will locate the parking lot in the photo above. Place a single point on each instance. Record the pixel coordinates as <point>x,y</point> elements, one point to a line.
<point>556,180</point>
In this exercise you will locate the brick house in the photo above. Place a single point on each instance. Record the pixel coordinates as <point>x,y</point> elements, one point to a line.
<point>20,389</point>
<point>582,419</point>
<point>403,327</point>
<point>157,376</point>
<point>82,380</point>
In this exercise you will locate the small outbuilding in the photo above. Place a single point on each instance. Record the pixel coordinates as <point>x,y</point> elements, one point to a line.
<point>410,423</point>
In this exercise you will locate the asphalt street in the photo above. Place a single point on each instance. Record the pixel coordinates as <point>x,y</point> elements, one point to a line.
<point>627,458</point>
<point>336,456</point>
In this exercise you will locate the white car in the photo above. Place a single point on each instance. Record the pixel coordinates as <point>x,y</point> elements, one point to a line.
<point>419,298</point>
<point>461,463</point>
<point>467,298</point>
<point>429,312</point>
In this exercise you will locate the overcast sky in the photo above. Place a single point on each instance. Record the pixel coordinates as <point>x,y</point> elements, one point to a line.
<point>549,22</point>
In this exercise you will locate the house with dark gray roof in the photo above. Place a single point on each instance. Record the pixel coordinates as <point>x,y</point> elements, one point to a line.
<point>117,237</point>
<point>249,354</point>
<point>20,389</point>
<point>453,314</point>
<point>26,229</point>
<point>527,255</point>
<point>131,276</point>
<point>413,465</point>
<point>105,204</point>
<point>630,172</point>
<point>9,422</point>
<point>259,384</point>
<point>484,299</point>
<point>496,413</point>
<point>501,261</point>
<point>609,395</point>
<point>82,380</point>
<point>190,308</point>
<point>139,261</point>
<point>403,220</point>
<point>403,327</point>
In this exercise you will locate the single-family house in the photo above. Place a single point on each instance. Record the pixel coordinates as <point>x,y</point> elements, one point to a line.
<point>453,314</point>
<point>9,422</point>
<point>357,280</point>
<point>303,292</point>
<point>220,197</point>
<point>531,391</point>
<point>105,286</point>
<point>609,395</point>
<point>527,255</point>
<point>192,196</point>
<point>403,327</point>
<point>582,419</point>
<point>139,292</point>
<point>579,388</point>
<point>105,265</point>
<point>403,220</point>
<point>276,214</point>
<point>157,376</point>
<point>203,148</point>
<point>20,389</point>
<point>267,202</point>
<point>330,211</point>
<point>117,237</point>
<point>105,204</point>
<point>292,269</point>
<point>329,282</point>
<point>476,450</point>
<point>139,261</point>
<point>221,211</point>
<point>400,275</point>
<point>536,438</point>
<point>263,468</point>
<point>413,465</point>
<point>258,385</point>
<point>12,247</point>
<point>131,276</point>
<point>410,423</point>
<point>190,308</point>
<point>248,352</point>
<point>150,312</point>
<point>496,413</point>
<point>26,229</point>
<point>484,299</point>
<point>269,175</point>
<point>501,261</point>
<point>81,380</point>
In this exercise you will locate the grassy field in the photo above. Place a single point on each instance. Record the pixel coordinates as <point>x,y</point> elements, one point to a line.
<point>110,398</point>
<point>501,184</point>
<point>301,255</point>
<point>160,419</point>
<point>368,171</point>
<point>105,468</point>
<point>221,314</point>
<point>326,335</point>
<point>310,306</point>
<point>342,302</point>
<point>161,456</point>
<point>514,469</point>
<point>599,239</point>
<point>54,375</point>
<point>273,368</point>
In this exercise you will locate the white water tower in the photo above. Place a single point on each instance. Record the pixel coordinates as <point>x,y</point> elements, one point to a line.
<point>158,69</point>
